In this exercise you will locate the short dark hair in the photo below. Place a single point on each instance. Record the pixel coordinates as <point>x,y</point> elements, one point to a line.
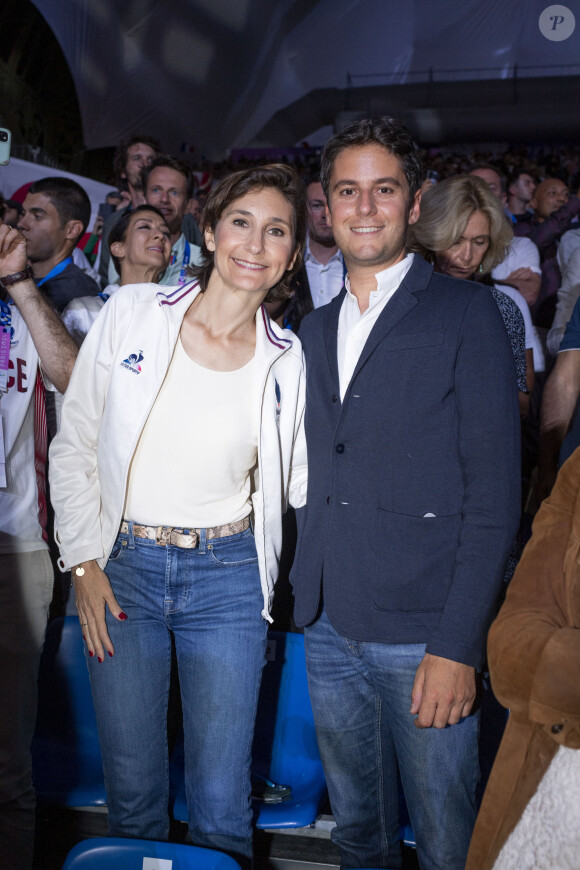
<point>120,155</point>
<point>311,178</point>
<point>13,203</point>
<point>517,173</point>
<point>277,175</point>
<point>388,132</point>
<point>490,167</point>
<point>167,160</point>
<point>119,230</point>
<point>69,199</point>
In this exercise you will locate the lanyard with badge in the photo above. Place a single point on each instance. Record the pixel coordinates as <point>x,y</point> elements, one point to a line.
<point>183,276</point>
<point>5,338</point>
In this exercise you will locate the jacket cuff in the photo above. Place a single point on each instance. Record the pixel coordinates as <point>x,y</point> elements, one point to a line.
<point>83,554</point>
<point>457,652</point>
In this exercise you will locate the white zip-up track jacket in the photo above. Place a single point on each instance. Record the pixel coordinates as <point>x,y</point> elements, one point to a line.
<point>117,377</point>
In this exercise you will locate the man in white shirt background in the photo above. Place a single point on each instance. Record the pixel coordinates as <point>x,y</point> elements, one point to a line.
<point>323,262</point>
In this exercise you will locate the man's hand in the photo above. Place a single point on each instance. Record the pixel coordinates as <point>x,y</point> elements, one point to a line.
<point>443,692</point>
<point>526,281</point>
<point>56,349</point>
<point>93,595</point>
<point>12,251</point>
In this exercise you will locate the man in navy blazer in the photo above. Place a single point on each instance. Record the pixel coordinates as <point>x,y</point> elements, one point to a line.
<point>413,502</point>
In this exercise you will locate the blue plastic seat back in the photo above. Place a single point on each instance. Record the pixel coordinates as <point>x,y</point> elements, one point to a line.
<point>113,853</point>
<point>66,755</point>
<point>285,748</point>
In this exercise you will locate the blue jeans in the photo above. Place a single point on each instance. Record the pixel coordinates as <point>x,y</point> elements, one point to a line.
<point>210,598</point>
<point>361,695</point>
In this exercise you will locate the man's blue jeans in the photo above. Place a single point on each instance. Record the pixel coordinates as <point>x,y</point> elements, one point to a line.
<point>211,599</point>
<point>361,695</point>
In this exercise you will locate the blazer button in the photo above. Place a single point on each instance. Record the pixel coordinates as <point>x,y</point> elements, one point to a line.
<point>334,397</point>
<point>340,448</point>
<point>557,728</point>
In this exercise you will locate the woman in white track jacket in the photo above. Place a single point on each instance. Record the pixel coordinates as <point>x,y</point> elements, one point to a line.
<point>181,443</point>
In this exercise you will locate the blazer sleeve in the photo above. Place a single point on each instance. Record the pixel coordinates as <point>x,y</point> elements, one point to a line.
<point>534,644</point>
<point>488,433</point>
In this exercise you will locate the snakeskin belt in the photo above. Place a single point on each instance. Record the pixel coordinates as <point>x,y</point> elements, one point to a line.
<point>168,536</point>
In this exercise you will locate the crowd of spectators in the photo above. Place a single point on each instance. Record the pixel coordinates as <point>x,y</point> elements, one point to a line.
<point>528,197</point>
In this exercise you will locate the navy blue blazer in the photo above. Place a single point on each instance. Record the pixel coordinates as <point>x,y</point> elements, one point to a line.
<point>414,479</point>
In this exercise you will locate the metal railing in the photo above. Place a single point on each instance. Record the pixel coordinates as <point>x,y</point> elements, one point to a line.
<point>513,71</point>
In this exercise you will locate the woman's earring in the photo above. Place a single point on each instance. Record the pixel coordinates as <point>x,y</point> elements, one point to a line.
<point>480,268</point>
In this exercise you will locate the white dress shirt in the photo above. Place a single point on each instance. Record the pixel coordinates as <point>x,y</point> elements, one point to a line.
<point>325,279</point>
<point>354,328</point>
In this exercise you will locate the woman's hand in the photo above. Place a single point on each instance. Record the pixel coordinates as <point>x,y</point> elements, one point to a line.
<point>93,595</point>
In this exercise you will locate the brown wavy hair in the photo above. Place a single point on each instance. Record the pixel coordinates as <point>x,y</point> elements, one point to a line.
<point>277,175</point>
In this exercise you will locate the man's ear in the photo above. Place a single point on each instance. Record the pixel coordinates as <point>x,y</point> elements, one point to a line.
<point>415,208</point>
<point>73,230</point>
<point>209,239</point>
<point>533,203</point>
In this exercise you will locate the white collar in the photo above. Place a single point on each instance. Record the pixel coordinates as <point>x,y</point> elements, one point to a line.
<point>309,256</point>
<point>387,280</point>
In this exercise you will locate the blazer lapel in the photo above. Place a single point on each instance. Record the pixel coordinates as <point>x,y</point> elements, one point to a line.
<point>330,332</point>
<point>397,307</point>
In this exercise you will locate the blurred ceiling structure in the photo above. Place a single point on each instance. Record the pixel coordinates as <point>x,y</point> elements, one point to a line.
<point>208,75</point>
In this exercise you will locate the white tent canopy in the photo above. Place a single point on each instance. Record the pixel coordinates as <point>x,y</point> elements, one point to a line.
<point>212,74</point>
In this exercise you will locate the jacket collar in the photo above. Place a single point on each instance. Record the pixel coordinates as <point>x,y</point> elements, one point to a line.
<point>271,340</point>
<point>403,300</point>
<point>177,300</point>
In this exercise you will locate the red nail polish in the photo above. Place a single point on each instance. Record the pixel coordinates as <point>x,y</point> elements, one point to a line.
<point>99,659</point>
<point>122,615</point>
<point>110,653</point>
<point>91,653</point>
<point>84,638</point>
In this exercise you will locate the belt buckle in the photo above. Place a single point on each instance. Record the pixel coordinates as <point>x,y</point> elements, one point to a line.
<point>185,541</point>
<point>163,536</point>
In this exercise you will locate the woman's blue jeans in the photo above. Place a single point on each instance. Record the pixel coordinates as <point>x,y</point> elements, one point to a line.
<point>210,598</point>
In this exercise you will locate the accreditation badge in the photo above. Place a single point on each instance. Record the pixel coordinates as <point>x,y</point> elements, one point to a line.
<point>5,335</point>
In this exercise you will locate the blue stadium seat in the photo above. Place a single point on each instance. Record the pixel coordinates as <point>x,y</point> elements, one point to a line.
<point>285,749</point>
<point>66,756</point>
<point>112,853</point>
<point>406,832</point>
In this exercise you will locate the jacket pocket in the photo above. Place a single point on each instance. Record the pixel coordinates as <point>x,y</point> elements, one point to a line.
<point>415,561</point>
<point>411,340</point>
